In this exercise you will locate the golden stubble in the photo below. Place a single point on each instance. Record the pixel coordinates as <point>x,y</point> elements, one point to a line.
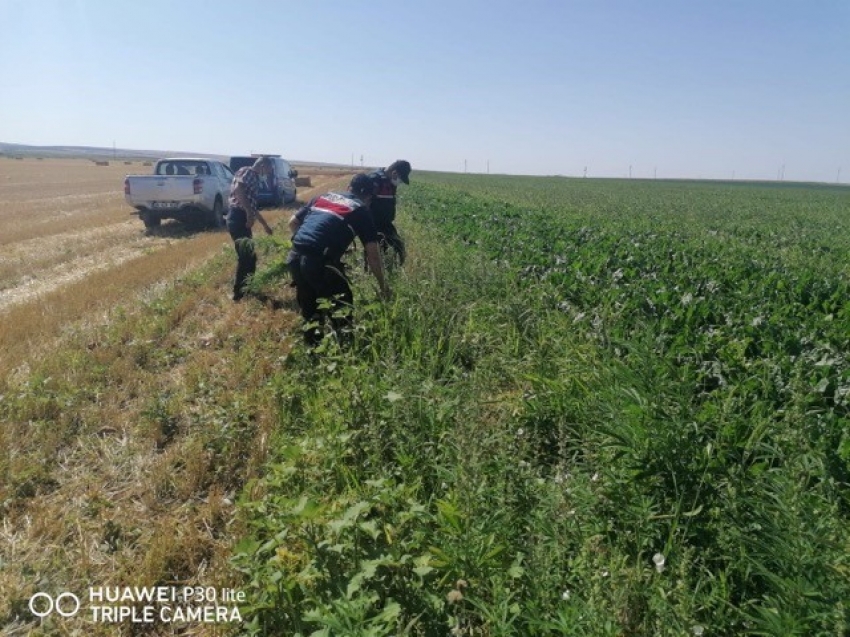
<point>70,249</point>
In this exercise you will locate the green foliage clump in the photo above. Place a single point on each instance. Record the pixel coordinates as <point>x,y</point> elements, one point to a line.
<point>594,408</point>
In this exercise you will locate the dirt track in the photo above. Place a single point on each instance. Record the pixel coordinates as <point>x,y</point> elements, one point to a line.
<point>62,220</point>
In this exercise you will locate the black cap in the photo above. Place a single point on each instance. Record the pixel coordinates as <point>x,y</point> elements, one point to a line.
<point>402,167</point>
<point>361,185</point>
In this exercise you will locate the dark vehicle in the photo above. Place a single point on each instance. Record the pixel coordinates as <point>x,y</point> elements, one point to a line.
<point>276,189</point>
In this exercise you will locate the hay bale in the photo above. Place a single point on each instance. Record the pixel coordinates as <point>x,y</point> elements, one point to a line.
<point>303,181</point>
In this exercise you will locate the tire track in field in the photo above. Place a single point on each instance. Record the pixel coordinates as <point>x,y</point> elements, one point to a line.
<point>53,246</point>
<point>71,257</point>
<point>66,273</point>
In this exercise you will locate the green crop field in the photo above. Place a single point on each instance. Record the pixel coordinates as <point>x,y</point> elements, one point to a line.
<point>593,408</point>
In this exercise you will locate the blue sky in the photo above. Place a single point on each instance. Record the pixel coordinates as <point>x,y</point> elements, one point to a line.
<point>656,88</point>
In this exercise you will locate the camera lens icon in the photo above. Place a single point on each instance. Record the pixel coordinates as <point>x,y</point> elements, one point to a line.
<point>66,604</point>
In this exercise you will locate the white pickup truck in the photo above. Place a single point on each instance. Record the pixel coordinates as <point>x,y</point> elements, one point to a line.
<point>189,189</point>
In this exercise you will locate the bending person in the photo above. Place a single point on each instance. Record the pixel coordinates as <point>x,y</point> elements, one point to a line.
<point>322,232</point>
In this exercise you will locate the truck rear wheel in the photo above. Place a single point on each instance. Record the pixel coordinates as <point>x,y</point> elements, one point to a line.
<point>150,220</point>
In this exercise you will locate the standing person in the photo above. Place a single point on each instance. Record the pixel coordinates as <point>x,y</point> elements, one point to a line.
<point>322,231</point>
<point>387,181</point>
<point>241,215</point>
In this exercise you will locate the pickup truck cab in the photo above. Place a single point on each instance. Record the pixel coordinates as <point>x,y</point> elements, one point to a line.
<point>275,189</point>
<point>189,189</point>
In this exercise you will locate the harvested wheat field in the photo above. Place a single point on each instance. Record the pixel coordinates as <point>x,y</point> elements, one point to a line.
<point>129,393</point>
<point>70,248</point>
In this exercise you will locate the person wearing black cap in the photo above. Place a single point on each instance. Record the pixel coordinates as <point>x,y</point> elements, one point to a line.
<point>387,181</point>
<point>241,215</point>
<point>322,231</point>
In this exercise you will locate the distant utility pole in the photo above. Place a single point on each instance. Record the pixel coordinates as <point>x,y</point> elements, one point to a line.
<point>630,171</point>
<point>361,161</point>
<point>655,173</point>
<point>488,166</point>
<point>585,172</point>
<point>838,176</point>
<point>464,165</point>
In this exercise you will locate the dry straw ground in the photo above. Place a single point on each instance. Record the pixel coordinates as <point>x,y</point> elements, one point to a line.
<point>108,475</point>
<point>70,248</point>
